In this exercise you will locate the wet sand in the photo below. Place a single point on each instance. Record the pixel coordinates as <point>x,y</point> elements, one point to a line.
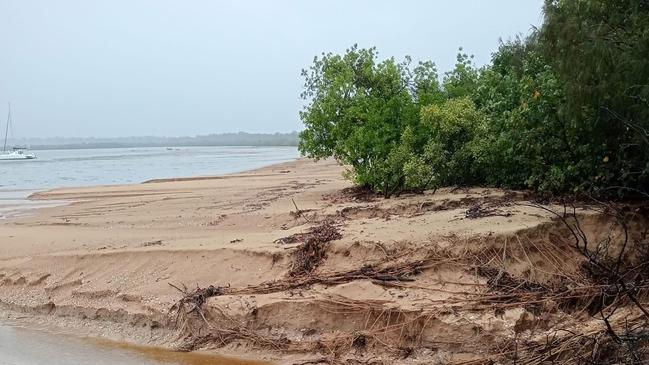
<point>16,203</point>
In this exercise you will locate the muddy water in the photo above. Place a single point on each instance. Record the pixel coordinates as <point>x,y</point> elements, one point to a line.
<point>30,347</point>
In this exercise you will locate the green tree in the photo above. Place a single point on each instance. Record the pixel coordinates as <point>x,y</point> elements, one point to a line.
<point>528,143</point>
<point>454,128</point>
<point>463,79</point>
<point>598,49</point>
<point>563,110</point>
<point>358,108</point>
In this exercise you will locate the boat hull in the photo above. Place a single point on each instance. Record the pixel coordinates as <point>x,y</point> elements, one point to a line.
<point>16,156</point>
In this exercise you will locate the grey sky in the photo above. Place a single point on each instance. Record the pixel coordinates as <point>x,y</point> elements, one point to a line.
<point>167,68</point>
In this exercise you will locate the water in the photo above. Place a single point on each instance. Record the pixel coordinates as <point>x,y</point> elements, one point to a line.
<point>20,346</point>
<point>62,168</point>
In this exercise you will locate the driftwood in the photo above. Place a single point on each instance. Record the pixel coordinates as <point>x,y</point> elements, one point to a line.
<point>481,211</point>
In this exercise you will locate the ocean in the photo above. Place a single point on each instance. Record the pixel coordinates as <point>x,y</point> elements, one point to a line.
<point>84,167</point>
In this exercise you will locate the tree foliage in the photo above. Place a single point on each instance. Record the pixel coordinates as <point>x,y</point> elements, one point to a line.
<point>563,110</point>
<point>463,79</point>
<point>599,50</point>
<point>528,143</point>
<point>359,108</point>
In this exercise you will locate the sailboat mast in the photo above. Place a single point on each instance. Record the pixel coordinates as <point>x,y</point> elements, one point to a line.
<point>4,147</point>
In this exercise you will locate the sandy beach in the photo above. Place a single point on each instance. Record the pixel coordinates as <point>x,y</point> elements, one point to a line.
<point>303,266</point>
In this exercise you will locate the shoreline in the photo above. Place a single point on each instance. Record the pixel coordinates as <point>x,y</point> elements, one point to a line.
<point>24,204</point>
<point>65,169</point>
<point>80,342</point>
<point>16,205</point>
<point>125,262</point>
<point>37,308</point>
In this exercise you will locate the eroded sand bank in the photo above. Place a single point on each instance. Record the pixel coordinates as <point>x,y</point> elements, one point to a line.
<point>103,264</point>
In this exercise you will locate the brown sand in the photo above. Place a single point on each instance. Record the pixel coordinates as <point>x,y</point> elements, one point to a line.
<point>102,264</point>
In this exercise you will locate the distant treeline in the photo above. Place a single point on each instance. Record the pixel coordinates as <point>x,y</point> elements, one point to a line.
<point>225,139</point>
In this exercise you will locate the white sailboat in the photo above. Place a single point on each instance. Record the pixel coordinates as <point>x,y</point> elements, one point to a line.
<point>16,153</point>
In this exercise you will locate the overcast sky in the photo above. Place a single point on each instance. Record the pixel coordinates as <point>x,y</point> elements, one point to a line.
<point>168,68</point>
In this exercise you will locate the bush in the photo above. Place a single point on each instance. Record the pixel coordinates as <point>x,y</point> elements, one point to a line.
<point>565,110</point>
<point>358,109</point>
<point>598,50</point>
<point>527,143</point>
<point>453,130</point>
<point>567,107</point>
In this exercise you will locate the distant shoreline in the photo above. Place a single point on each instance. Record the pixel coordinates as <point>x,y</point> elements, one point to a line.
<point>213,140</point>
<point>110,146</point>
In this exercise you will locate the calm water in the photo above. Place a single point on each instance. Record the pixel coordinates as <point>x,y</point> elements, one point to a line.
<point>58,168</point>
<point>31,347</point>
